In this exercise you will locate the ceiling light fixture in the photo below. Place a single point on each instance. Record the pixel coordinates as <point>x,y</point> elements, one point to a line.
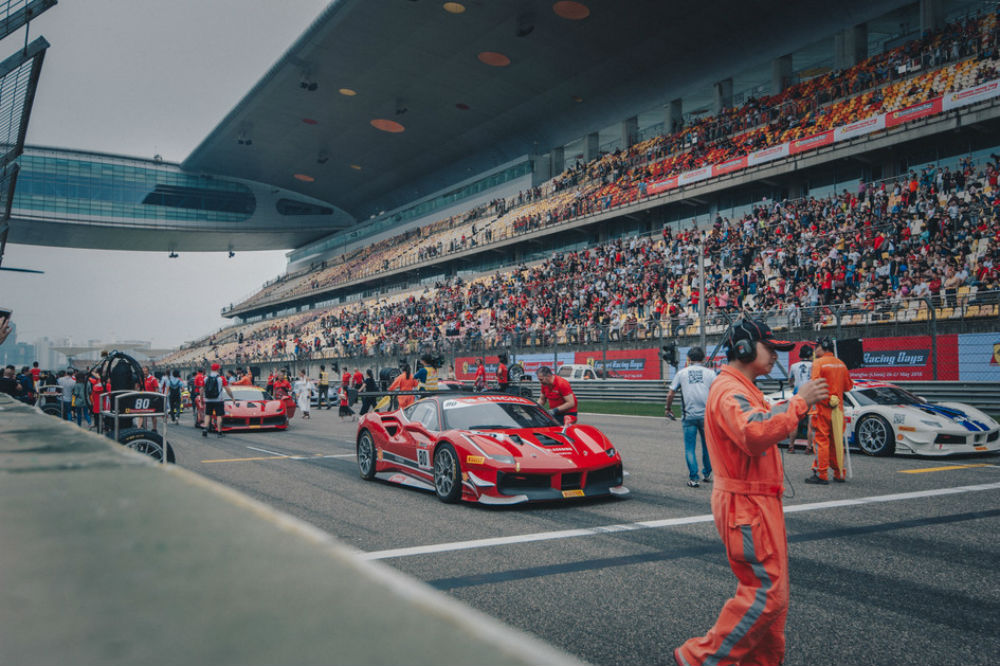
<point>387,125</point>
<point>573,11</point>
<point>305,178</point>
<point>493,59</point>
<point>347,92</point>
<point>454,7</point>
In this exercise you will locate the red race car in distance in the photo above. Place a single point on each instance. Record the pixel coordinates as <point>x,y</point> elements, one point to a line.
<point>252,409</point>
<point>487,448</point>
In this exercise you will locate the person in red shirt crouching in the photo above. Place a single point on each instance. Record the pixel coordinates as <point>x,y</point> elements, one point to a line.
<point>562,400</point>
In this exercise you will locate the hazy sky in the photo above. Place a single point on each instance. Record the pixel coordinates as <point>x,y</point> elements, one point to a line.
<point>139,78</point>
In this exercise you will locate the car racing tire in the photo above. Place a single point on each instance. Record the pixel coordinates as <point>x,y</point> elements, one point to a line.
<point>447,475</point>
<point>367,455</point>
<point>874,436</point>
<point>515,373</point>
<point>51,410</point>
<point>146,442</point>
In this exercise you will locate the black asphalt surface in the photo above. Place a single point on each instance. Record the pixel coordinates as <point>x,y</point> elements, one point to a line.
<point>903,580</point>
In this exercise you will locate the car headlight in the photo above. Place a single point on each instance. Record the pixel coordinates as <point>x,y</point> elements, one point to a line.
<point>506,460</point>
<point>933,424</point>
<point>611,452</point>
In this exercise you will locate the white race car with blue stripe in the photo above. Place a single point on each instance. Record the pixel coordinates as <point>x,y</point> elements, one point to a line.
<point>881,419</point>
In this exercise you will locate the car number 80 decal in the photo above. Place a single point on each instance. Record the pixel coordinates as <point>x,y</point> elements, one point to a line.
<point>423,458</point>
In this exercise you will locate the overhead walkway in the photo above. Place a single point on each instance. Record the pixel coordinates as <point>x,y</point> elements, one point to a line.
<point>110,558</point>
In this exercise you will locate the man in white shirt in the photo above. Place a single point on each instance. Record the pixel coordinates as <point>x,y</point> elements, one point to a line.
<point>66,382</point>
<point>693,380</point>
<point>799,374</point>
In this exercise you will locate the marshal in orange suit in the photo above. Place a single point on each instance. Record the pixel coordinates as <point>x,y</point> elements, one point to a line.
<point>743,432</point>
<point>829,454</point>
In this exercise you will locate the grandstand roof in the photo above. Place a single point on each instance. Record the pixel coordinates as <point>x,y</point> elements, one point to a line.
<point>415,63</point>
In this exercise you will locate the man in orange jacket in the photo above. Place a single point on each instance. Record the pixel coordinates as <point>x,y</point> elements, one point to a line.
<point>743,432</point>
<point>838,379</point>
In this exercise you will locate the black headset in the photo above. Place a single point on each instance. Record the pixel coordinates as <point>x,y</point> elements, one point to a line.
<point>745,350</point>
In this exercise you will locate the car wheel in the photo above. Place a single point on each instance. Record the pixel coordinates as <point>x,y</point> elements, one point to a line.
<point>366,455</point>
<point>147,443</point>
<point>874,436</point>
<point>447,476</point>
<point>52,410</point>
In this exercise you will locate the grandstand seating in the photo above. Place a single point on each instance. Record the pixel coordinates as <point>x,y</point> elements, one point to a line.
<point>639,280</point>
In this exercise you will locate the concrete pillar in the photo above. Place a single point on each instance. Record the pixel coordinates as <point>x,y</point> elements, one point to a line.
<point>850,47</point>
<point>674,118</point>
<point>541,169</point>
<point>557,156</point>
<point>630,132</point>
<point>932,15</point>
<point>723,95</point>
<point>781,73</point>
<point>591,147</point>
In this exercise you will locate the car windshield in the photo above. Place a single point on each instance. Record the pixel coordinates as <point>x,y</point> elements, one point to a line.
<point>249,393</point>
<point>463,415</point>
<point>885,395</point>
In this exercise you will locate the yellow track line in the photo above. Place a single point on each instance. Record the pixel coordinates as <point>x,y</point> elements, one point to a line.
<point>943,469</point>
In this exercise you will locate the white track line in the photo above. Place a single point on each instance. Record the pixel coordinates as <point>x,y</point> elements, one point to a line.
<point>650,524</point>
<point>273,453</point>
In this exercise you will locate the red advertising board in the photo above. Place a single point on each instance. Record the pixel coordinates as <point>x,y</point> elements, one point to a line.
<point>465,366</point>
<point>625,363</point>
<point>661,185</point>
<point>730,166</point>
<point>908,358</point>
<point>922,110</point>
<point>811,142</point>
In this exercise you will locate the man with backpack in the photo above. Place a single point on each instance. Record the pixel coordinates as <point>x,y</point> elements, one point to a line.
<point>174,386</point>
<point>215,384</point>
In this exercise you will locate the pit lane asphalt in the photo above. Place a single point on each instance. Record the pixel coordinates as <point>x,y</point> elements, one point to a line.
<point>900,581</point>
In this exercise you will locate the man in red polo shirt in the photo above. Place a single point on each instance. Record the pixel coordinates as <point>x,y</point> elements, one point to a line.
<point>562,400</point>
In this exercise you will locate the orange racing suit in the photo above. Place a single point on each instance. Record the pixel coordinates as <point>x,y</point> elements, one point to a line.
<point>833,370</point>
<point>742,432</point>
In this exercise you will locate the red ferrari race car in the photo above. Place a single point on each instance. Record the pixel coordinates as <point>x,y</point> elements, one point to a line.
<point>251,409</point>
<point>487,448</point>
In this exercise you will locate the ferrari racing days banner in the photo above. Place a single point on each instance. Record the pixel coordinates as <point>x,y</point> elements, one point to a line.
<point>901,359</point>
<point>621,363</point>
<point>624,363</point>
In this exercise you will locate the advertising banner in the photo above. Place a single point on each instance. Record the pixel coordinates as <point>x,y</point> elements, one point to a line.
<point>914,112</point>
<point>768,154</point>
<point>694,176</point>
<point>908,358</point>
<point>859,128</point>
<point>972,95</point>
<point>979,357</point>
<point>465,366</point>
<point>811,142</point>
<point>730,166</point>
<point>624,363</point>
<point>661,185</point>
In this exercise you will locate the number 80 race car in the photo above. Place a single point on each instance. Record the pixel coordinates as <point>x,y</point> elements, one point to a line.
<point>487,448</point>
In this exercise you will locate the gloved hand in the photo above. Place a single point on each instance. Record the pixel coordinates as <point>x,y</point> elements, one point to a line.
<point>556,414</point>
<point>670,415</point>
